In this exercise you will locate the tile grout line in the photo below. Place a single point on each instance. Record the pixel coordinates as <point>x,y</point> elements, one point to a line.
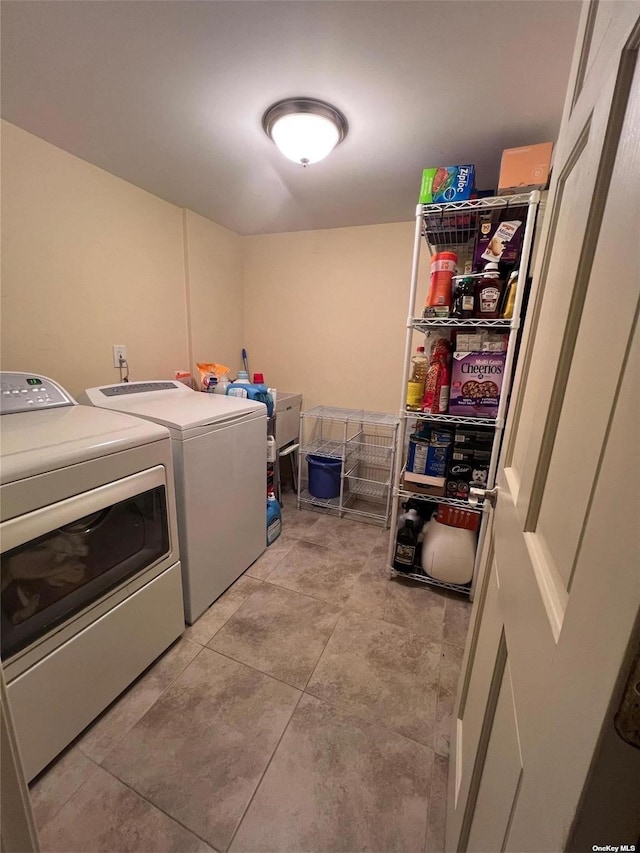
<point>263,580</point>
<point>40,829</point>
<point>305,594</point>
<point>317,663</point>
<point>251,799</point>
<point>231,615</point>
<point>157,699</point>
<point>159,809</point>
<point>435,722</point>
<point>254,669</point>
<point>372,722</point>
<point>426,829</point>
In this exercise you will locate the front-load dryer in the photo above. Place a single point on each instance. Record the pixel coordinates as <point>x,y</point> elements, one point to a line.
<point>219,455</point>
<point>91,579</point>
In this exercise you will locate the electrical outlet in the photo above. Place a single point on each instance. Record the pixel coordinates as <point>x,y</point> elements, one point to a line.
<point>119,350</point>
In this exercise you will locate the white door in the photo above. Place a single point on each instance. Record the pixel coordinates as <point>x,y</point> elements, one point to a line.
<point>559,591</point>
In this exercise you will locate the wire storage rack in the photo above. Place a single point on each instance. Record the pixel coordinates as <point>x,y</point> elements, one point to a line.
<point>455,227</point>
<point>365,444</point>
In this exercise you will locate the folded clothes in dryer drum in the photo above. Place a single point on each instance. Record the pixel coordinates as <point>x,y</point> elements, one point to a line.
<point>58,562</point>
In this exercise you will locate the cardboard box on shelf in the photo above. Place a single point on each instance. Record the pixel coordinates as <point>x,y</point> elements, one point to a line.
<point>423,485</point>
<point>476,383</point>
<point>524,169</point>
<point>455,517</point>
<point>447,183</point>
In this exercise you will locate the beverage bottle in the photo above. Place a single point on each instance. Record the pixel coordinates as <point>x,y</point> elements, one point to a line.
<point>415,384</point>
<point>406,544</point>
<point>437,386</point>
<point>464,297</point>
<point>410,515</point>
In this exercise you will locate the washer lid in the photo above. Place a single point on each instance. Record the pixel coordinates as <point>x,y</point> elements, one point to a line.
<point>179,409</point>
<point>38,441</point>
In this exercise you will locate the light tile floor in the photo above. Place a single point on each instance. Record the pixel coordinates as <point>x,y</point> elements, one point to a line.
<point>308,709</point>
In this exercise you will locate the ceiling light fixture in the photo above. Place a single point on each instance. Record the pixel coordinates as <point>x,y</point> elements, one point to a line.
<point>305,130</point>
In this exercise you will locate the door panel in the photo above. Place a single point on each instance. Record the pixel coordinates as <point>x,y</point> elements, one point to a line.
<point>565,531</point>
<point>481,666</point>
<point>501,776</point>
<point>575,222</point>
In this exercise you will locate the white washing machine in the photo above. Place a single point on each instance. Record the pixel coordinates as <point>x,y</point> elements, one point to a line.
<point>91,588</point>
<point>219,456</point>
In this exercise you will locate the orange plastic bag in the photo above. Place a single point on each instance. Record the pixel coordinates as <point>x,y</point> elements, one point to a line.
<point>206,368</point>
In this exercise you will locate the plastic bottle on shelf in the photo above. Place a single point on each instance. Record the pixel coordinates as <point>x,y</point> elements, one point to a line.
<point>510,296</point>
<point>437,386</point>
<point>443,267</point>
<point>464,288</point>
<point>243,378</point>
<point>417,377</point>
<point>406,544</point>
<point>489,291</point>
<point>222,385</point>
<point>410,515</point>
<point>274,519</point>
<point>271,448</point>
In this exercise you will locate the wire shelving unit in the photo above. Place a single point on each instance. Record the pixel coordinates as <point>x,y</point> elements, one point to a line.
<point>365,442</point>
<point>454,227</point>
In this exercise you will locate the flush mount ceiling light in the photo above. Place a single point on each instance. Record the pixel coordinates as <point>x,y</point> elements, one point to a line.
<point>305,130</point>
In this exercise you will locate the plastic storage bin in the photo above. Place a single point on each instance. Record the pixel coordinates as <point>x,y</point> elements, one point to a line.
<point>324,476</point>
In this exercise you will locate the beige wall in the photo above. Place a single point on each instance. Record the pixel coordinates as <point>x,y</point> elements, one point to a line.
<point>214,292</point>
<point>325,312</point>
<point>88,260</point>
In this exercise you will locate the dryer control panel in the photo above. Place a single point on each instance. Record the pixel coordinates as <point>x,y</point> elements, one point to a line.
<point>28,392</point>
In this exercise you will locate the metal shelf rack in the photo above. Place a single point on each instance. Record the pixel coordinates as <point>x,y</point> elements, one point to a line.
<point>454,226</point>
<point>422,578</point>
<point>366,443</point>
<point>423,324</point>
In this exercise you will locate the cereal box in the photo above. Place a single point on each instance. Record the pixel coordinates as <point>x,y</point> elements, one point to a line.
<point>499,239</point>
<point>447,183</point>
<point>476,383</point>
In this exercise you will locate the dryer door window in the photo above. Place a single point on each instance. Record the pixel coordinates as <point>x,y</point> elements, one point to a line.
<point>48,579</point>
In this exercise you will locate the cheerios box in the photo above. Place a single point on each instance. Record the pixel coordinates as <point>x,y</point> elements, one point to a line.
<point>476,383</point>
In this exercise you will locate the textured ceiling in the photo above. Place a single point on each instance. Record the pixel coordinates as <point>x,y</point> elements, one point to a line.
<point>170,95</point>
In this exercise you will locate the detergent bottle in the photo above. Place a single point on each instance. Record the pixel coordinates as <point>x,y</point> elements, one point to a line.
<point>274,519</point>
<point>247,390</point>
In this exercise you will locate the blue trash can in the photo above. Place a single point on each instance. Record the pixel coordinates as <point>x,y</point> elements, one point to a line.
<point>324,476</point>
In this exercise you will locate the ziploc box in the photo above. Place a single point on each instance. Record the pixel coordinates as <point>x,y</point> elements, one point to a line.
<point>447,183</point>
<point>476,383</point>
